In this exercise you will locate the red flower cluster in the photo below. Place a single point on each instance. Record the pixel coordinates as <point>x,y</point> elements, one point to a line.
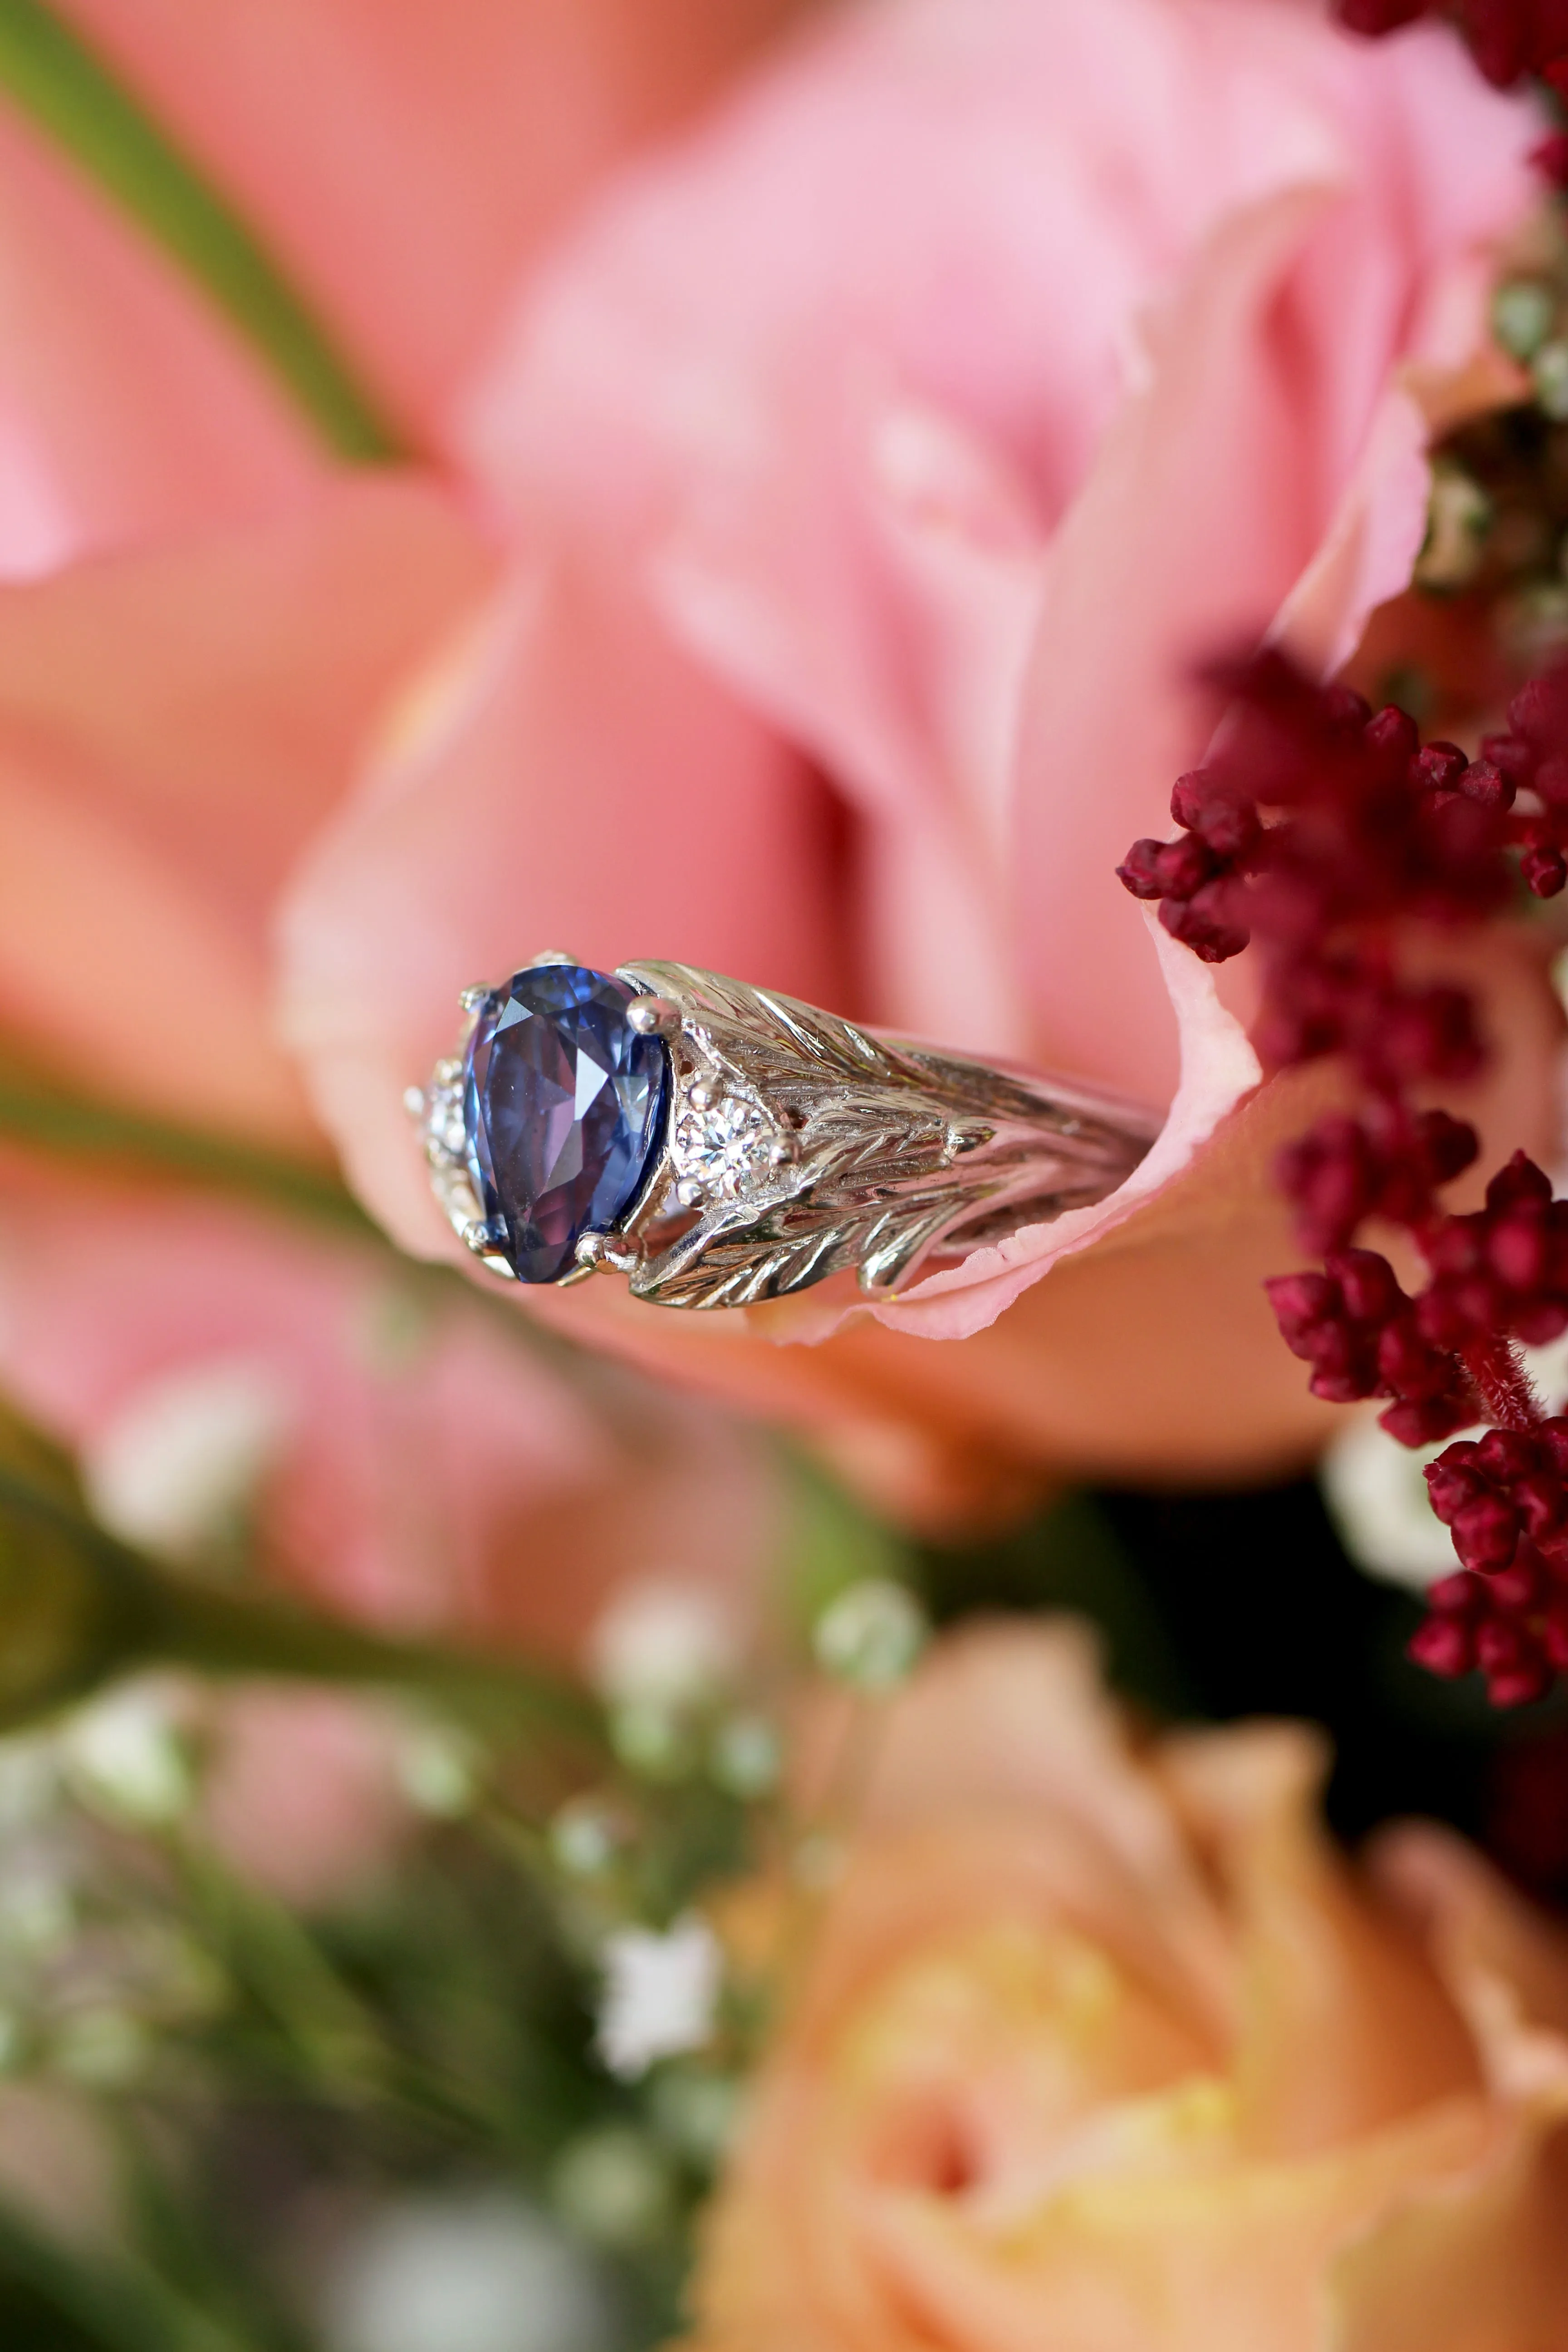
<point>1504,1499</point>
<point>1363,1338</point>
<point>1320,832</point>
<point>1374,827</point>
<point>1388,1163</point>
<point>1499,1275</point>
<point>1508,38</point>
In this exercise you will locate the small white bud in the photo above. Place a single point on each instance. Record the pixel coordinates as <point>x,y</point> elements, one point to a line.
<point>439,1770</point>
<point>181,1463</point>
<point>125,1754</point>
<point>654,1740</point>
<point>663,1641</point>
<point>586,1838</point>
<point>661,1994</point>
<point>614,2186</point>
<point>872,1635</point>
<point>746,1756</point>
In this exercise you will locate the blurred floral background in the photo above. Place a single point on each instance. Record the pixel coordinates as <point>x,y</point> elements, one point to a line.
<point>567,1826</point>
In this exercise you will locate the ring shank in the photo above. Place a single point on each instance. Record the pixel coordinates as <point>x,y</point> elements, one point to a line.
<point>797,1145</point>
<point>890,1155</point>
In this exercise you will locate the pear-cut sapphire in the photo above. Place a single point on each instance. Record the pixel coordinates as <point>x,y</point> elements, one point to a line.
<point>565,1106</point>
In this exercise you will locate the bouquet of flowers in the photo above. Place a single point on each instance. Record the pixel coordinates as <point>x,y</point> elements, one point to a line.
<point>855,1640</point>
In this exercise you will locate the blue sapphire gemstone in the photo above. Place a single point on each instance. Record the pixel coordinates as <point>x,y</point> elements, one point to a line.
<point>564,1104</point>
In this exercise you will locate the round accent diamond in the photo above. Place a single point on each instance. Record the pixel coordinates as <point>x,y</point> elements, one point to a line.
<point>727,1149</point>
<point>564,1108</point>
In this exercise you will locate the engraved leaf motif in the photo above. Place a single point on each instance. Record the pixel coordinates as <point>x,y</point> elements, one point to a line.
<point>787,1248</point>
<point>894,1144</point>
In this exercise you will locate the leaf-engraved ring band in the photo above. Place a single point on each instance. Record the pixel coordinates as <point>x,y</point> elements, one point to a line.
<point>722,1144</point>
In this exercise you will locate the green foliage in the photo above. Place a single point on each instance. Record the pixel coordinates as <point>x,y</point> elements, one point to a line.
<point>73,96</point>
<point>40,1112</point>
<point>76,1606</point>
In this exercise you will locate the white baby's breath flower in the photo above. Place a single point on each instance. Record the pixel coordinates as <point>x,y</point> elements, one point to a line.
<point>661,1994</point>
<point>663,1643</point>
<point>481,2272</point>
<point>871,1635</point>
<point>180,1464</point>
<point>125,1753</point>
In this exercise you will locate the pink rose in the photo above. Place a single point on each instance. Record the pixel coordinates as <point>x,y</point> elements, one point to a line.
<point>203,619</point>
<point>206,615</point>
<point>874,467</point>
<point>400,1457</point>
<point>1107,2048</point>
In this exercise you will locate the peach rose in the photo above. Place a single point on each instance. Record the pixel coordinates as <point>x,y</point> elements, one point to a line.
<point>874,468</point>
<point>1107,2048</point>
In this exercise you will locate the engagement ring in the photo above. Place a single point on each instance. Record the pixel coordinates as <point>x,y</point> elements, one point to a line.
<point>722,1144</point>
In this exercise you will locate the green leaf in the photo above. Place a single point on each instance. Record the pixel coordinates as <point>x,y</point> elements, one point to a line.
<point>37,1111</point>
<point>80,103</point>
<point>77,1607</point>
<point>57,2299</point>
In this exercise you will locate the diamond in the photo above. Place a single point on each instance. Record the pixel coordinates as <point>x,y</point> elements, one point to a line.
<point>725,1150</point>
<point>564,1110</point>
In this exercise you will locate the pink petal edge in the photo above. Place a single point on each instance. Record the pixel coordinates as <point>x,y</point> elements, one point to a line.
<point>1219,1070</point>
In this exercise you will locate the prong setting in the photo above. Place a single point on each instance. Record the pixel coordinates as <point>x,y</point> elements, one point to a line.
<point>725,1143</point>
<point>966,1135</point>
<point>470,999</point>
<point>654,1016</point>
<point>605,1254</point>
<point>548,955</point>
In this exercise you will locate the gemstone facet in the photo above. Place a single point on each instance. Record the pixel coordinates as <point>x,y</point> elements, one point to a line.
<point>564,1110</point>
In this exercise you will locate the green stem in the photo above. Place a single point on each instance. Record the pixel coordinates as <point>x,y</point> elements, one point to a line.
<point>220,1633</point>
<point>55,78</point>
<point>77,1607</point>
<point>37,1112</point>
<point>113,2303</point>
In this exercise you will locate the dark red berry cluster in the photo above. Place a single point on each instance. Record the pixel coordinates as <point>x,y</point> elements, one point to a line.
<point>1368,826</point>
<point>1504,1499</point>
<point>1320,832</point>
<point>1363,1338</point>
<point>1389,1163</point>
<point>1507,38</point>
<point>1498,1276</point>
